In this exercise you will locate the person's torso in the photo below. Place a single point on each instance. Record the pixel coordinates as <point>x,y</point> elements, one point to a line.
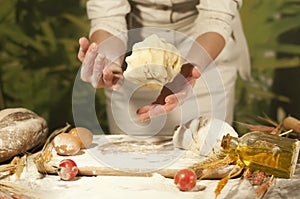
<point>181,15</point>
<point>162,13</point>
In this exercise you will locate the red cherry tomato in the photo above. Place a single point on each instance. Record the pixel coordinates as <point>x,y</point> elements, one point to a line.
<point>67,169</point>
<point>185,179</point>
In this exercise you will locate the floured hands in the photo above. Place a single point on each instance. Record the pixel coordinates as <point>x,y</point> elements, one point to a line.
<point>97,69</point>
<point>172,94</point>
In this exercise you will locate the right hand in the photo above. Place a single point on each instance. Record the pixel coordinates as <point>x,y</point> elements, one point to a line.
<point>96,68</point>
<point>172,94</point>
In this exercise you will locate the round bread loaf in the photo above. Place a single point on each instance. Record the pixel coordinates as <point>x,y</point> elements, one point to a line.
<point>20,131</point>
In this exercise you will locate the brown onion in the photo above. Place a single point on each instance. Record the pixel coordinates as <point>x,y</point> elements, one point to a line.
<point>66,144</point>
<point>84,136</point>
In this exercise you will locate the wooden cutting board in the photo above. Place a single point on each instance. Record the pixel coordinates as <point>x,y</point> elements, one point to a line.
<point>122,155</point>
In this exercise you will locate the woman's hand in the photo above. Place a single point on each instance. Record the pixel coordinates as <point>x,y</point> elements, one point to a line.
<point>96,68</point>
<point>172,94</point>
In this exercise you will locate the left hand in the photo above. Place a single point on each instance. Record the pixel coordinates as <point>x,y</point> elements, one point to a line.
<point>172,94</point>
<point>97,69</point>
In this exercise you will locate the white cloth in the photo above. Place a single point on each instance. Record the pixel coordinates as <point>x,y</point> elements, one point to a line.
<point>213,92</point>
<point>202,135</point>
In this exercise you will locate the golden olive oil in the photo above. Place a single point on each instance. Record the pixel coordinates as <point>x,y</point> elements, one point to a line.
<point>265,152</point>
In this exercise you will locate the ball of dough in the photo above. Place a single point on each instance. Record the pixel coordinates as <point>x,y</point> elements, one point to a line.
<point>153,63</point>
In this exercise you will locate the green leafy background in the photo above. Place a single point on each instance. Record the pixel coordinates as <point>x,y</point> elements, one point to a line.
<point>39,44</point>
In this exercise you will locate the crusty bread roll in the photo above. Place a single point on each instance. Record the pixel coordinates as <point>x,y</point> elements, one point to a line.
<point>20,131</point>
<point>153,63</point>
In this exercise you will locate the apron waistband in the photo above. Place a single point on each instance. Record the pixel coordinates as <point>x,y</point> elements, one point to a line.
<point>134,22</point>
<point>175,7</point>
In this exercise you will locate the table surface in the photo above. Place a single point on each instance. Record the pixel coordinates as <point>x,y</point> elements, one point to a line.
<point>155,186</point>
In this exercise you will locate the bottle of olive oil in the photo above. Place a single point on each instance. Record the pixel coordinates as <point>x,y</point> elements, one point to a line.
<point>265,152</point>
